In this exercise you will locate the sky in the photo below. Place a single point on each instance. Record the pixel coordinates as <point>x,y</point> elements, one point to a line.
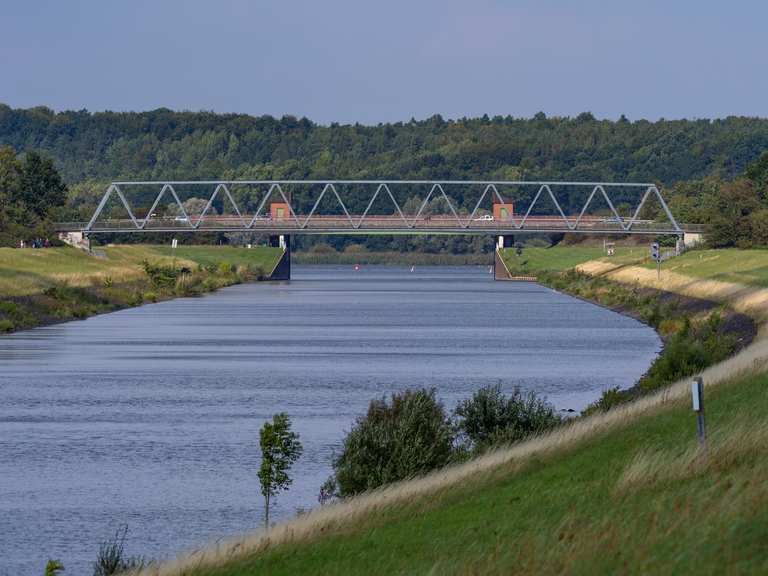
<point>358,61</point>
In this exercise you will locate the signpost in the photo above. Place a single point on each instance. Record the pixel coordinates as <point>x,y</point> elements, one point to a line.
<point>697,396</point>
<point>656,255</point>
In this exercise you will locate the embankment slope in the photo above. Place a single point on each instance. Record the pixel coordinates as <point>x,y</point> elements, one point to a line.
<point>45,286</point>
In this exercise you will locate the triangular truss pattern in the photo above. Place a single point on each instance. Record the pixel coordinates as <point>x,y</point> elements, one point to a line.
<point>600,189</point>
<point>104,199</point>
<point>412,224</point>
<point>184,214</point>
<point>379,188</point>
<point>317,203</point>
<point>501,200</point>
<point>210,203</point>
<point>653,189</point>
<point>542,188</point>
<point>510,224</point>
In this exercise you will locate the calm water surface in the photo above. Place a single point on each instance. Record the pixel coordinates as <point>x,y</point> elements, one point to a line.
<point>149,417</point>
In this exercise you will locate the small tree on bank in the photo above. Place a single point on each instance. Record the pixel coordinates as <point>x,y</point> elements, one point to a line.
<point>280,448</point>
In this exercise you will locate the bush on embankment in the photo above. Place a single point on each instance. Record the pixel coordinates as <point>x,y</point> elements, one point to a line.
<point>490,419</point>
<point>412,435</point>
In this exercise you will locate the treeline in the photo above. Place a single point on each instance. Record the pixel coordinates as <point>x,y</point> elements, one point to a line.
<point>735,212</point>
<point>163,144</point>
<point>698,162</point>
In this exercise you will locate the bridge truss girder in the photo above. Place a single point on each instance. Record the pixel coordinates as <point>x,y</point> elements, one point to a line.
<point>304,224</point>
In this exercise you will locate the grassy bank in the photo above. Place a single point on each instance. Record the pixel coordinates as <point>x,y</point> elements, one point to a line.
<point>625,493</point>
<point>39,287</point>
<point>560,258</point>
<point>748,267</point>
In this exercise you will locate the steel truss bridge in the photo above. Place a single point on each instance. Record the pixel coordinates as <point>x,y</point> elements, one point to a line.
<point>132,199</point>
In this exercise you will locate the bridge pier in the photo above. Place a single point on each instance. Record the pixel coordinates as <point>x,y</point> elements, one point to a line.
<point>500,271</point>
<point>283,269</point>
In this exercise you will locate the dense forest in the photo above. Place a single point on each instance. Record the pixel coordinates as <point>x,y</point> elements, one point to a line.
<point>703,165</point>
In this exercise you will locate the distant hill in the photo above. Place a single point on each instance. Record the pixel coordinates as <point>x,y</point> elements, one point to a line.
<point>194,145</point>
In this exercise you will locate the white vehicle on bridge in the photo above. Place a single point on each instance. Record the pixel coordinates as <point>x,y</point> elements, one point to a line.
<point>484,218</point>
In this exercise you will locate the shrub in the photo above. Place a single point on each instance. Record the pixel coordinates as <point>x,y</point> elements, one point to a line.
<point>136,299</point>
<point>6,325</point>
<point>210,284</point>
<point>59,291</point>
<point>8,307</point>
<point>322,249</point>
<point>81,312</point>
<point>161,276</point>
<point>184,285</point>
<point>356,249</point>
<point>112,559</point>
<point>53,567</point>
<point>256,271</point>
<point>489,417</point>
<point>406,437</point>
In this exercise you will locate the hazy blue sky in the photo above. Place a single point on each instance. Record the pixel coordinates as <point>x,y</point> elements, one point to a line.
<point>348,61</point>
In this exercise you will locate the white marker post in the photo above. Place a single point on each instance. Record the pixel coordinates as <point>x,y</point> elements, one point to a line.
<point>174,243</point>
<point>697,395</point>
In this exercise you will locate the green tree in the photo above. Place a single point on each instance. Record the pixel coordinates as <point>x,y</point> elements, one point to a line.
<point>759,227</point>
<point>406,437</point>
<point>10,176</point>
<point>280,448</point>
<point>42,188</point>
<point>757,172</point>
<point>10,181</point>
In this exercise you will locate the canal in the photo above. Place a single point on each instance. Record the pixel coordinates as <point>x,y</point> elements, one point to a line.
<point>149,417</point>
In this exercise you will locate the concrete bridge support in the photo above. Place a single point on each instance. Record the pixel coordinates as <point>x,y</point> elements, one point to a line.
<point>283,269</point>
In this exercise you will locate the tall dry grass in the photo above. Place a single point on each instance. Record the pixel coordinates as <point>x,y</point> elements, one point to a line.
<point>749,300</point>
<point>724,449</point>
<point>321,520</point>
